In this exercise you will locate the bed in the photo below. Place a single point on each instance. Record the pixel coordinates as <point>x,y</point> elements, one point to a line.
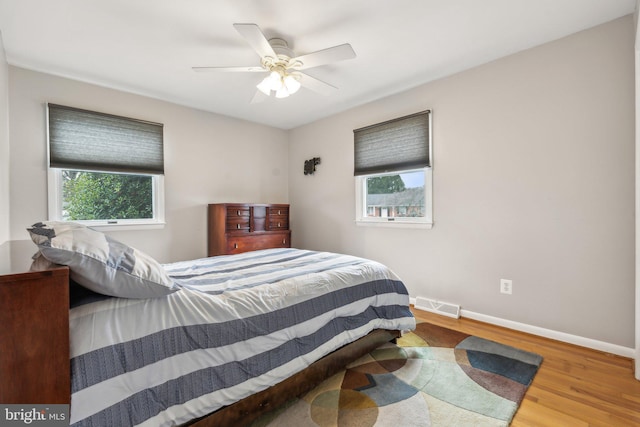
<point>217,340</point>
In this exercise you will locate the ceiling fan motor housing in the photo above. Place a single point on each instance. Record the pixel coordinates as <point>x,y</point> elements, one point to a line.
<point>281,47</point>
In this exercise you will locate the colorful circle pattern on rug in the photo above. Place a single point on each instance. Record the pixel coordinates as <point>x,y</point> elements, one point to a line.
<point>432,377</point>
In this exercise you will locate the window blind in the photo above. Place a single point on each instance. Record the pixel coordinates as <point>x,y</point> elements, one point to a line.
<point>394,145</point>
<point>81,139</point>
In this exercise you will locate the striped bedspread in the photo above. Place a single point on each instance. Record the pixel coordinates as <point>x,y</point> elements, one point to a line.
<point>240,324</point>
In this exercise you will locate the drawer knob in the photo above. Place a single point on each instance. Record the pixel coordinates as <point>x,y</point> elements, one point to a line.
<point>238,226</point>
<point>279,212</point>
<point>278,225</point>
<point>238,213</point>
<point>235,246</point>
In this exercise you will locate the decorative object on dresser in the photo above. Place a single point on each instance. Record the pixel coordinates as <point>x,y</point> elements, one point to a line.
<point>241,227</point>
<point>34,332</point>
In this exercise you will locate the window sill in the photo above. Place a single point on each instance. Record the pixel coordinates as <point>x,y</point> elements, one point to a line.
<point>394,224</point>
<point>124,226</point>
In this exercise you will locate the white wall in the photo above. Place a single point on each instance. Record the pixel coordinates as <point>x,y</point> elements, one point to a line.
<point>637,93</point>
<point>208,158</point>
<point>4,145</point>
<point>533,181</point>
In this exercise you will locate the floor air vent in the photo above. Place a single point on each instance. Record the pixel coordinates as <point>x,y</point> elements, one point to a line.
<point>439,307</point>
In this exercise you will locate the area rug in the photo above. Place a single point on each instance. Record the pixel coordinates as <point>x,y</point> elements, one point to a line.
<point>433,376</point>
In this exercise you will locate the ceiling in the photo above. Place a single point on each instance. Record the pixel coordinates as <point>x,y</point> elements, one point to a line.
<point>149,46</point>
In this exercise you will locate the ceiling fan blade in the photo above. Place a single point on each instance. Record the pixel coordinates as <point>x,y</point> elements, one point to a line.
<point>255,38</point>
<point>326,56</point>
<point>316,85</point>
<point>229,69</point>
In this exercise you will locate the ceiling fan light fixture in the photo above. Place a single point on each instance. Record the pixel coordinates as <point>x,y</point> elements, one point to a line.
<point>292,84</point>
<point>265,86</point>
<point>275,79</point>
<point>283,92</point>
<point>280,82</point>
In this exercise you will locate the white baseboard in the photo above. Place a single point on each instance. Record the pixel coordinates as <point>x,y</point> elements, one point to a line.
<point>549,333</point>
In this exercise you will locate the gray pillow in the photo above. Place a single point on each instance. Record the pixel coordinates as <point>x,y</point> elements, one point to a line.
<point>100,263</point>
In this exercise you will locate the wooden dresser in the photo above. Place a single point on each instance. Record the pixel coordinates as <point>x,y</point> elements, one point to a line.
<point>34,327</point>
<point>241,227</point>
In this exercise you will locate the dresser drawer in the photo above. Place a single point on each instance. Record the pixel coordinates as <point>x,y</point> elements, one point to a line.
<point>238,244</point>
<point>237,224</point>
<point>279,223</point>
<point>279,211</point>
<point>238,211</point>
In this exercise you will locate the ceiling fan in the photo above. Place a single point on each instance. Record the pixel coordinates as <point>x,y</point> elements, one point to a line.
<point>284,67</point>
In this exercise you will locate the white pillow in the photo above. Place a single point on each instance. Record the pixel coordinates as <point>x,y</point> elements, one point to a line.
<point>101,263</point>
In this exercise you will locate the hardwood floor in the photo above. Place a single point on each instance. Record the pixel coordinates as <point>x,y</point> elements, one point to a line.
<point>575,386</point>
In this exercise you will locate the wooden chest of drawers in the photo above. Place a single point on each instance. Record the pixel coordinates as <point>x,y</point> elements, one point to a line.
<point>242,227</point>
<point>34,328</point>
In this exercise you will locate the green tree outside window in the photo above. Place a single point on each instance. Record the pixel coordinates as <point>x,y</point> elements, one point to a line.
<point>102,196</point>
<point>385,184</point>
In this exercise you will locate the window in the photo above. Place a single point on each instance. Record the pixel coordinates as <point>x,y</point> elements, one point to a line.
<point>393,172</point>
<point>104,170</point>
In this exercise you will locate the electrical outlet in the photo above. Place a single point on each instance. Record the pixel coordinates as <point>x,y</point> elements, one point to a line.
<point>506,286</point>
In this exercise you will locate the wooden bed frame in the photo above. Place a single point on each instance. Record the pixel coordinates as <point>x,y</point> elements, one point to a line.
<point>250,408</point>
<point>27,320</point>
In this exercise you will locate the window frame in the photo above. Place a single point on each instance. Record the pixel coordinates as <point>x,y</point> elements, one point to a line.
<point>399,222</point>
<point>54,183</point>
